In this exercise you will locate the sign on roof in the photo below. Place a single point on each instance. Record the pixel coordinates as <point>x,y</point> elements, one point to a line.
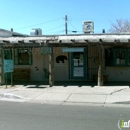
<point>45,50</point>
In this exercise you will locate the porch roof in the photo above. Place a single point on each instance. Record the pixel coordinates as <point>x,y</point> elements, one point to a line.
<point>67,40</point>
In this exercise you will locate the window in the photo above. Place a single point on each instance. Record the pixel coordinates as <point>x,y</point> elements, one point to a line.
<point>109,57</point>
<point>23,56</point>
<point>7,54</point>
<point>117,57</point>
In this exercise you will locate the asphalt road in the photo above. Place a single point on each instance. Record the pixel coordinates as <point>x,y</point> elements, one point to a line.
<point>33,116</point>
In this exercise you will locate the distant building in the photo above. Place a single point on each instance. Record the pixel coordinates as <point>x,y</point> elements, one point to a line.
<point>7,33</point>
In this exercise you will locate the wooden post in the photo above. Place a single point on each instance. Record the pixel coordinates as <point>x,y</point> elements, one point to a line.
<point>13,68</point>
<point>100,82</point>
<point>100,65</point>
<point>51,68</point>
<point>1,66</point>
<point>102,62</point>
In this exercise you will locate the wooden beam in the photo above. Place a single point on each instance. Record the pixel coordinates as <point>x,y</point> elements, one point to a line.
<point>6,41</point>
<point>51,68</point>
<point>22,41</point>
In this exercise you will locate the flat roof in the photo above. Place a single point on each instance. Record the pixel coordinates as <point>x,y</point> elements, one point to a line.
<point>70,39</point>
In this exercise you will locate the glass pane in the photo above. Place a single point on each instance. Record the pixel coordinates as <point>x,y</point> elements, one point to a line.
<point>78,64</point>
<point>78,59</point>
<point>120,57</point>
<point>78,71</point>
<point>24,56</point>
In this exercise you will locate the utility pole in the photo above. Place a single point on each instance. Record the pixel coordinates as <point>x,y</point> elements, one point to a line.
<point>66,20</point>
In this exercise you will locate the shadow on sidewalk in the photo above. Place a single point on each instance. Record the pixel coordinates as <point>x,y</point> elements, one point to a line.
<point>40,84</point>
<point>44,84</point>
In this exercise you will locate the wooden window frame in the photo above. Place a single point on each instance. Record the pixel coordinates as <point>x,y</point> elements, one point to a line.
<point>117,57</point>
<point>17,55</point>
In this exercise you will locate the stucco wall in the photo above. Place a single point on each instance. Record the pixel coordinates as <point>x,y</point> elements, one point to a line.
<point>36,73</point>
<point>37,69</point>
<point>40,62</point>
<point>61,70</point>
<point>118,73</point>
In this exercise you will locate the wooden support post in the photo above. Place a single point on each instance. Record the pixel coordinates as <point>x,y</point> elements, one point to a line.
<point>100,65</point>
<point>102,62</point>
<point>51,68</point>
<point>13,68</point>
<point>100,77</point>
<point>1,67</point>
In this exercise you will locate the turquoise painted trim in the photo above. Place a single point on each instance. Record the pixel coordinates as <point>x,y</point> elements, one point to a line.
<point>79,49</point>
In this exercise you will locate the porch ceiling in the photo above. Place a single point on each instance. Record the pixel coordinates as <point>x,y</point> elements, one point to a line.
<point>66,40</point>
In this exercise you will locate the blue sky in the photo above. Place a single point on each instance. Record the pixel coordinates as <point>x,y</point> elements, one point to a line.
<point>49,15</point>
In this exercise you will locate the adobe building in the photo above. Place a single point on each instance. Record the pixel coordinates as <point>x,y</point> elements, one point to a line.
<point>80,57</point>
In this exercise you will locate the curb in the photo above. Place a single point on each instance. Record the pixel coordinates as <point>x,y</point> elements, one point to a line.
<point>12,96</point>
<point>1,95</point>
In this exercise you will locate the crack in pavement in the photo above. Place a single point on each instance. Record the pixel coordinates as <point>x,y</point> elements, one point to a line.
<point>67,98</point>
<point>37,95</point>
<point>118,91</point>
<point>104,101</point>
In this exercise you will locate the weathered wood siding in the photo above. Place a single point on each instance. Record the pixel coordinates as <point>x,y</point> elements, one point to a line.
<point>92,61</point>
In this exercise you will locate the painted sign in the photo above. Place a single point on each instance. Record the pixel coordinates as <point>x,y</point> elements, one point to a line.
<point>8,66</point>
<point>45,50</point>
<point>77,49</point>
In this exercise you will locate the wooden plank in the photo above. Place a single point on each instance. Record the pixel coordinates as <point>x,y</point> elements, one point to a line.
<point>21,74</point>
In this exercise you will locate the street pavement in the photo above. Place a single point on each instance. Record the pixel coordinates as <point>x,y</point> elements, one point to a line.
<point>66,94</point>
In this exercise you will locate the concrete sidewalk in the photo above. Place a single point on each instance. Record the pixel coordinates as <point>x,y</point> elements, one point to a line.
<point>68,94</point>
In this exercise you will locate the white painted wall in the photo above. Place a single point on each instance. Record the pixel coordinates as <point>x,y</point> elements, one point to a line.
<point>61,70</point>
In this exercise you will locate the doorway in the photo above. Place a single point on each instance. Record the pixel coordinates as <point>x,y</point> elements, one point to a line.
<point>78,65</point>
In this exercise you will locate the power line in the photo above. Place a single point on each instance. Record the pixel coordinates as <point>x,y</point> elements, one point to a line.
<point>54,28</point>
<point>39,24</point>
<point>58,32</point>
<point>72,25</point>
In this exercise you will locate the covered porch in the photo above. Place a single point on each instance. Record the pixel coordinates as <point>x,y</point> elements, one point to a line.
<point>99,41</point>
